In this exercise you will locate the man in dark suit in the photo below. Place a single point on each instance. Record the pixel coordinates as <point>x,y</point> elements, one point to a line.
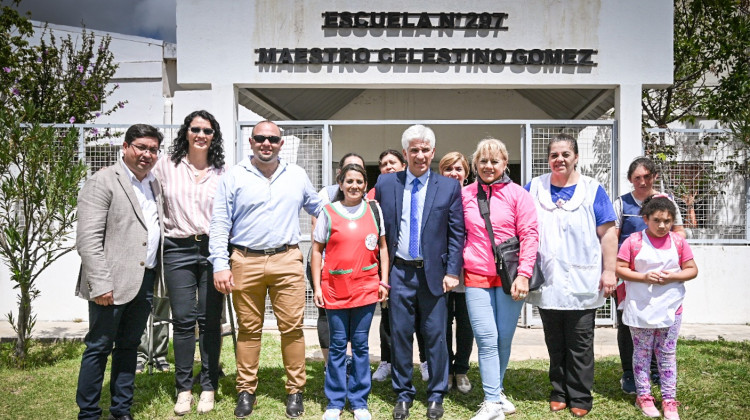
<point>423,217</point>
<point>118,237</point>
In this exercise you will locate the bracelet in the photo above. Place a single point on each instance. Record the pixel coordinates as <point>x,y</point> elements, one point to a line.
<point>385,285</point>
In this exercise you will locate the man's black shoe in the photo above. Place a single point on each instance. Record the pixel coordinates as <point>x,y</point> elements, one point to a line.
<point>125,417</point>
<point>245,403</point>
<point>434,410</point>
<point>401,410</point>
<point>294,406</point>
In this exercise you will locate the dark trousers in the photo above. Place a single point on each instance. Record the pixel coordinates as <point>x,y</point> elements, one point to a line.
<point>458,362</point>
<point>116,330</point>
<point>324,338</point>
<point>625,345</point>
<point>569,335</point>
<point>193,299</point>
<point>410,295</point>
<point>385,336</point>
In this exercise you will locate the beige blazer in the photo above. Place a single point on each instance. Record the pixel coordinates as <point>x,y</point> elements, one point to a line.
<point>112,236</point>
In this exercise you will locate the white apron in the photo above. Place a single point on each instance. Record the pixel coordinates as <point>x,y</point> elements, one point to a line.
<point>653,305</point>
<point>569,248</point>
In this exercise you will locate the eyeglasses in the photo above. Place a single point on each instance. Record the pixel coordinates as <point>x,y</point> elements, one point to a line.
<point>155,151</point>
<point>206,131</point>
<point>260,139</point>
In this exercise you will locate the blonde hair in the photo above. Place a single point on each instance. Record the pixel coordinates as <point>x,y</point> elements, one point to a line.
<point>450,159</point>
<point>489,147</point>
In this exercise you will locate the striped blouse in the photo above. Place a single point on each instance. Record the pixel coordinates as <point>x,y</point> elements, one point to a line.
<point>187,204</point>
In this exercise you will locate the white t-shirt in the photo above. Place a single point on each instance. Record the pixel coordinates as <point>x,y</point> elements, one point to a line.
<point>320,234</point>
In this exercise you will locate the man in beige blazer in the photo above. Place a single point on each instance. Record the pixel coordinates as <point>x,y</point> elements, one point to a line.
<point>118,238</point>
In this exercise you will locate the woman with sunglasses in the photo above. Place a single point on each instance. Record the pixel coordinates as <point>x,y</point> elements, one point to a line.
<point>189,177</point>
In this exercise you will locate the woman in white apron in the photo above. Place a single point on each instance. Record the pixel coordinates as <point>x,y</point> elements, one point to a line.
<point>577,250</point>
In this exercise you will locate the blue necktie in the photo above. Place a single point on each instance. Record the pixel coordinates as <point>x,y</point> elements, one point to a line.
<point>414,220</point>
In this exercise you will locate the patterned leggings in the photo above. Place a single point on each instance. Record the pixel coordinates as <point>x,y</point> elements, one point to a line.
<point>663,342</point>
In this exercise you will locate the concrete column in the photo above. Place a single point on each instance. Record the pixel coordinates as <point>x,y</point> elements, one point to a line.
<point>628,113</point>
<point>224,108</point>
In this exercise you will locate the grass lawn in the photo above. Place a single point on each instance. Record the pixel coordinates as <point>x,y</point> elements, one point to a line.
<point>713,383</point>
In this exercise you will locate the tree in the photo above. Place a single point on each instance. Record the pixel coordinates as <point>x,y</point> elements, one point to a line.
<point>712,81</point>
<point>711,53</point>
<point>40,170</point>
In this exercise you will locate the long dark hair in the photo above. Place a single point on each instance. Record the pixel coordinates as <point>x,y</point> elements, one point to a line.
<point>342,177</point>
<point>181,145</point>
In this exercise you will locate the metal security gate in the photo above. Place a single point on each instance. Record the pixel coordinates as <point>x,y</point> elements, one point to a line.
<point>309,144</point>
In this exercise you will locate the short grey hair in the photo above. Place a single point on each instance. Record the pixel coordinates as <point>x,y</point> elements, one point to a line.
<point>418,132</point>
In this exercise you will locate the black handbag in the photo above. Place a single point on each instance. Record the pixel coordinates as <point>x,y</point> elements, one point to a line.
<point>506,253</point>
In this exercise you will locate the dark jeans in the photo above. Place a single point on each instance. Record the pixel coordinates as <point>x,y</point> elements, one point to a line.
<point>569,335</point>
<point>116,330</point>
<point>193,298</point>
<point>625,344</point>
<point>458,362</point>
<point>349,325</point>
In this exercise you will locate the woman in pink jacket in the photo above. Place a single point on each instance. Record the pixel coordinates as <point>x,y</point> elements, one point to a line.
<point>492,313</point>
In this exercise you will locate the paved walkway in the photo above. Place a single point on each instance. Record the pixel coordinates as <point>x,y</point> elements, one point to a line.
<point>527,344</point>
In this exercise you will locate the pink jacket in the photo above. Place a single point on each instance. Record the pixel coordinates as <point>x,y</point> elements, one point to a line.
<point>512,213</point>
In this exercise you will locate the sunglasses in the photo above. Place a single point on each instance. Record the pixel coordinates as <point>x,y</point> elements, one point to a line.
<point>206,131</point>
<point>260,139</point>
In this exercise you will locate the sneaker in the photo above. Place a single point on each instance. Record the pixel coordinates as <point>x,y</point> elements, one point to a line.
<point>382,372</point>
<point>627,382</point>
<point>162,365</point>
<point>489,411</point>
<point>646,404</point>
<point>462,384</point>
<point>332,414</point>
<point>423,367</point>
<point>450,382</point>
<point>362,414</point>
<point>670,409</point>
<point>184,403</point>
<point>206,402</point>
<point>140,367</point>
<point>508,407</point>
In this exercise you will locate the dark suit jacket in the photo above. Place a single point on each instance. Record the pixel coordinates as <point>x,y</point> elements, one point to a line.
<point>442,230</point>
<point>112,236</point>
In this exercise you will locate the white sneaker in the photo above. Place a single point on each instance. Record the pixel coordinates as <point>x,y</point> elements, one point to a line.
<point>425,371</point>
<point>382,372</point>
<point>508,407</point>
<point>184,403</point>
<point>206,402</point>
<point>462,384</point>
<point>489,411</point>
<point>362,414</point>
<point>332,414</point>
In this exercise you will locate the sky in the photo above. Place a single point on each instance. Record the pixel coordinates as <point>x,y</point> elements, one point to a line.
<point>148,18</point>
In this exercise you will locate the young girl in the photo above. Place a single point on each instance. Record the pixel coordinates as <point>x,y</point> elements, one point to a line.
<point>348,286</point>
<point>655,263</point>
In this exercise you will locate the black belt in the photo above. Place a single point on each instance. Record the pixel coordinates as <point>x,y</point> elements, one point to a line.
<point>193,239</point>
<point>268,251</point>
<point>409,263</point>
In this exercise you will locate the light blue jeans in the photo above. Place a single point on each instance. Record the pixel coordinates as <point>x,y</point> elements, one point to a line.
<point>493,316</point>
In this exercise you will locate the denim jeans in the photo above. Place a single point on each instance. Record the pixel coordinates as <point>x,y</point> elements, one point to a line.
<point>193,298</point>
<point>493,316</point>
<point>351,324</point>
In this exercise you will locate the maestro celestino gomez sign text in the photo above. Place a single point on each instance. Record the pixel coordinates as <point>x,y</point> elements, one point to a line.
<point>444,21</point>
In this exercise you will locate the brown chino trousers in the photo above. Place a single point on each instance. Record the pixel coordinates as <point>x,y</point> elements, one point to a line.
<point>281,276</point>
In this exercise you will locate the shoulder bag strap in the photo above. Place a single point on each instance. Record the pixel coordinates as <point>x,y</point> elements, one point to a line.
<point>484,210</point>
<point>375,213</point>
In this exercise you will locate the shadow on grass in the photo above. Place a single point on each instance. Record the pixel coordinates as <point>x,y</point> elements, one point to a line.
<point>42,353</point>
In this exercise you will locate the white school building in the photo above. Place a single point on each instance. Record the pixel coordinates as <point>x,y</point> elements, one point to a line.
<point>350,76</point>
